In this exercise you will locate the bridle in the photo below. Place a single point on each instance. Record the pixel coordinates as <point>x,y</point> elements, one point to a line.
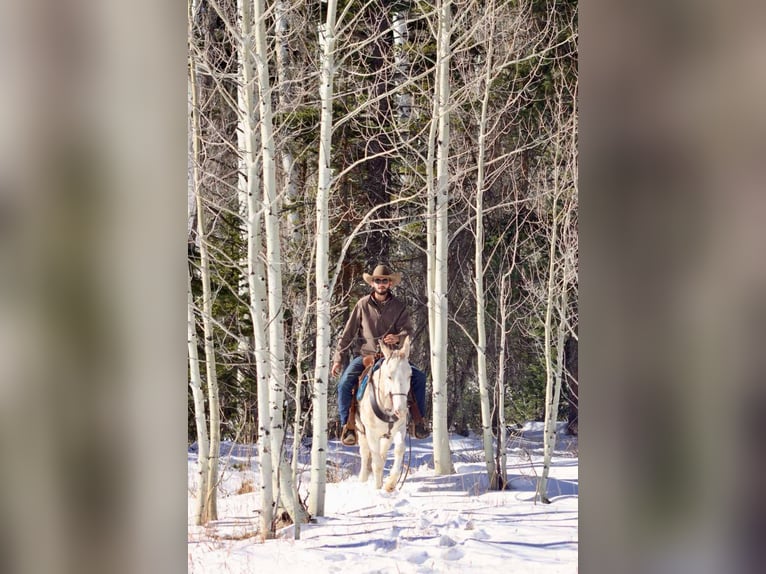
<point>391,419</point>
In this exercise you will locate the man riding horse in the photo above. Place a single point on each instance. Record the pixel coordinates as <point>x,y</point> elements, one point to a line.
<point>379,316</point>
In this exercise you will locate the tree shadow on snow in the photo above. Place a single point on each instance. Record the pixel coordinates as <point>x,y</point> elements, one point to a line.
<point>474,482</point>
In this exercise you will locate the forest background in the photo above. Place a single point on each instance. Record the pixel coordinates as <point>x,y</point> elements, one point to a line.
<point>325,138</point>
<point>513,141</point>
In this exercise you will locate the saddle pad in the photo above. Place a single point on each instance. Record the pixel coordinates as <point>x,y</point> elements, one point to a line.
<point>363,384</point>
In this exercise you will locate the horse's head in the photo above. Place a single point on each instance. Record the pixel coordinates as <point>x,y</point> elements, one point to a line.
<point>395,376</point>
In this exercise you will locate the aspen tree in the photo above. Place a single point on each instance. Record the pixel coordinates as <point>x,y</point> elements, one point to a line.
<point>195,382</point>
<point>323,288</point>
<point>249,192</point>
<point>560,271</point>
<point>481,328</point>
<point>209,509</point>
<point>287,492</point>
<point>438,296</point>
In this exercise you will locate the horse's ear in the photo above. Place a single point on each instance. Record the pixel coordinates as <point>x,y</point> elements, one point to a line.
<point>386,350</point>
<point>405,350</point>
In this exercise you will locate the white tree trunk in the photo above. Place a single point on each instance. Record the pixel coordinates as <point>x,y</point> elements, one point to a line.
<point>195,378</point>
<point>552,370</point>
<point>297,427</point>
<point>403,100</point>
<point>552,398</point>
<point>258,314</point>
<point>286,91</point>
<point>290,200</point>
<point>249,192</point>
<point>323,293</point>
<point>195,382</point>
<point>402,70</point>
<point>287,492</point>
<point>209,508</point>
<point>481,330</point>
<point>442,455</point>
<point>431,227</point>
<point>500,385</point>
<point>559,271</point>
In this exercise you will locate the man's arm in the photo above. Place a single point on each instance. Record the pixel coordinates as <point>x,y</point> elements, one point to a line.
<point>403,326</point>
<point>346,340</point>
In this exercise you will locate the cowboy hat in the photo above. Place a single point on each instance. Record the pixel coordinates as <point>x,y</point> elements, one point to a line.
<point>383,272</point>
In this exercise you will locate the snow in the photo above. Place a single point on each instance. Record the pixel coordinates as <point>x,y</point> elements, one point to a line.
<point>431,524</point>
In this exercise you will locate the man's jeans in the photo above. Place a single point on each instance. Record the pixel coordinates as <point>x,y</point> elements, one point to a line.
<point>351,375</point>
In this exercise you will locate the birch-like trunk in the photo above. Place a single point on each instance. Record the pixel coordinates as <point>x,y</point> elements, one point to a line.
<point>290,201</point>
<point>481,329</point>
<point>321,368</point>
<point>249,192</point>
<point>297,426</point>
<point>442,455</point>
<point>431,227</point>
<point>552,401</point>
<point>400,33</point>
<point>195,377</point>
<point>559,271</point>
<point>501,455</point>
<point>258,313</point>
<point>210,508</point>
<point>552,370</point>
<point>403,99</point>
<point>195,382</point>
<point>287,493</point>
<point>243,134</point>
<point>286,94</point>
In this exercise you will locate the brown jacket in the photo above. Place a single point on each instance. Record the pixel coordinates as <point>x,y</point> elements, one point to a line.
<point>369,322</point>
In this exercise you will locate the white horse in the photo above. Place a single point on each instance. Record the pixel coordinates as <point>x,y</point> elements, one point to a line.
<point>382,415</point>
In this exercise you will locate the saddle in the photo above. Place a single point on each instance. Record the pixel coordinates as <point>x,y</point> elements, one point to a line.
<point>370,364</point>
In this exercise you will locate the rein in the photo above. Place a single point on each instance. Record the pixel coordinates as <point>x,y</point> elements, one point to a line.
<point>380,413</point>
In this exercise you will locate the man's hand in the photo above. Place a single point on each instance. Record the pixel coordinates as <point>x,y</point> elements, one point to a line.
<point>335,369</point>
<point>391,339</point>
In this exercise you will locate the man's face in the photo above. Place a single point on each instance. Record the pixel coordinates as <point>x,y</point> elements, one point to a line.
<point>381,285</point>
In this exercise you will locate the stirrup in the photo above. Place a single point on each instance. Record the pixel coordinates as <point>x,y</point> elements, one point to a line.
<point>348,436</point>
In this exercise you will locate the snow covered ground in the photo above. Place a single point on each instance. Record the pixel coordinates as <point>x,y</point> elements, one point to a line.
<point>431,524</point>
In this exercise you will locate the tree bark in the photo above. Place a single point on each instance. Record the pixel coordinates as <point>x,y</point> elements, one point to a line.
<point>209,507</point>
<point>481,329</point>
<point>323,291</point>
<point>195,382</point>
<point>287,492</point>
<point>572,377</point>
<point>501,453</point>
<point>442,455</point>
<point>286,95</point>
<point>249,192</point>
<point>553,394</point>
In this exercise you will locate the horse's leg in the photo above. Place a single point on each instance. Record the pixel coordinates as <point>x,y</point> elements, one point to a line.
<point>378,462</point>
<point>364,451</point>
<point>396,469</point>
